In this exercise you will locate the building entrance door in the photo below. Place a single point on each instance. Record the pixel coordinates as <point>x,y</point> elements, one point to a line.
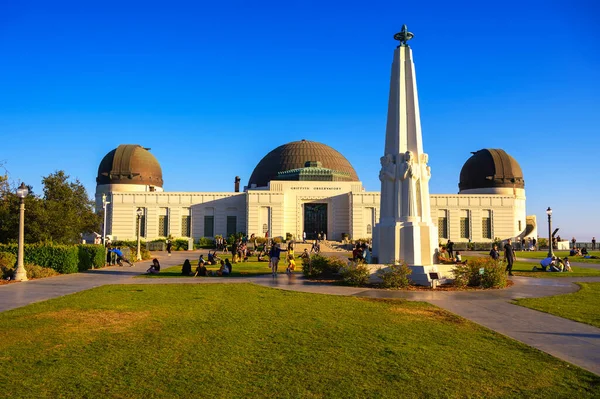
<point>315,220</point>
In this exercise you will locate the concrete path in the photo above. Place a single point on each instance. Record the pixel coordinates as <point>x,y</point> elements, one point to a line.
<point>574,342</point>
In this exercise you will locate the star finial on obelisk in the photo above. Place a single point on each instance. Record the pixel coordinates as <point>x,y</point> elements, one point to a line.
<point>403,36</point>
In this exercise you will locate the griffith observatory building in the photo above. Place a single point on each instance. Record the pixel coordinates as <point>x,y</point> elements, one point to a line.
<point>304,186</point>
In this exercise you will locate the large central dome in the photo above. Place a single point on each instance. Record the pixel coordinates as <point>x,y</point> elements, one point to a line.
<point>295,155</point>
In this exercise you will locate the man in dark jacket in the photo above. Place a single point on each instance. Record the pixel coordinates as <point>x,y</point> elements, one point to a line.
<point>509,256</point>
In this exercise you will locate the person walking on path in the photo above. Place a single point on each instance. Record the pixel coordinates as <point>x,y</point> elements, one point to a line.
<point>593,243</point>
<point>509,256</point>
<point>450,248</point>
<point>169,246</point>
<point>274,255</point>
<point>304,237</point>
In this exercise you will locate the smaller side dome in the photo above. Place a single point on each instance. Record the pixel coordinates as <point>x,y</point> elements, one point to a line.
<point>491,168</point>
<point>130,164</point>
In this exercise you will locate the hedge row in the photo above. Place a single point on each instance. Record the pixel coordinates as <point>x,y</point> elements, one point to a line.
<point>62,258</point>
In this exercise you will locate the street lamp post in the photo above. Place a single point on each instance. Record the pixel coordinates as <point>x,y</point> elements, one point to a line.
<point>549,213</point>
<point>104,205</point>
<point>139,212</point>
<point>21,273</point>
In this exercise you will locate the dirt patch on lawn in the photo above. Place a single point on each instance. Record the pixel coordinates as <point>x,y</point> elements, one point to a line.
<point>72,320</point>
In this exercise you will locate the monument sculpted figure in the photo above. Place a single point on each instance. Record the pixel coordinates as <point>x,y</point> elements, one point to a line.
<point>387,176</point>
<point>408,175</point>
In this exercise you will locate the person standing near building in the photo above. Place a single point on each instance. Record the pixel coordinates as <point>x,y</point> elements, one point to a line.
<point>450,248</point>
<point>304,237</point>
<point>509,256</point>
<point>534,242</point>
<point>593,243</point>
<point>274,255</point>
<point>573,241</point>
<point>169,246</point>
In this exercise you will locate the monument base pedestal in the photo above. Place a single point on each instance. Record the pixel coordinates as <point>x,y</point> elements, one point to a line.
<point>420,274</point>
<point>413,242</point>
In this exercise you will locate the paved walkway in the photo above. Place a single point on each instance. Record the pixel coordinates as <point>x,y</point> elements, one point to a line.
<point>574,342</point>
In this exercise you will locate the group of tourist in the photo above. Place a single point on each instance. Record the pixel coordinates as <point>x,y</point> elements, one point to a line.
<point>201,269</point>
<point>447,256</point>
<point>361,253</point>
<point>554,264</point>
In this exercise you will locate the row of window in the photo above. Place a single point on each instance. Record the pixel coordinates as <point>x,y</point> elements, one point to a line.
<point>465,224</point>
<point>163,226</point>
<point>209,226</point>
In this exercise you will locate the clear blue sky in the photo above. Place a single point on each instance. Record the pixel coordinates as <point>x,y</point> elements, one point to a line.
<point>213,86</point>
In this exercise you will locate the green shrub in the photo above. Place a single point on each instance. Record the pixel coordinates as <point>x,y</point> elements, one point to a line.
<point>395,275</point>
<point>91,256</point>
<point>321,266</point>
<point>7,259</point>
<point>355,274</point>
<point>180,244</point>
<point>469,274</point>
<point>205,242</point>
<point>8,263</point>
<point>35,271</point>
<point>62,258</point>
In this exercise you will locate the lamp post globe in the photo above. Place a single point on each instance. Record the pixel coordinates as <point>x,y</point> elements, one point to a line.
<point>21,273</point>
<point>140,213</point>
<point>549,213</point>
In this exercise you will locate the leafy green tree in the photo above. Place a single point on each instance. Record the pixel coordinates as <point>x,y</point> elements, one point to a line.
<point>61,215</point>
<point>69,212</point>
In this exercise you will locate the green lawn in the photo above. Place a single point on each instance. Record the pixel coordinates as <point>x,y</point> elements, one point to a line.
<point>242,340</point>
<point>543,254</point>
<point>240,269</point>
<point>521,268</point>
<point>580,306</point>
<point>526,269</point>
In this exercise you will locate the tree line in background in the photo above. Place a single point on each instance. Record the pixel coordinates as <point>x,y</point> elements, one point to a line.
<point>60,215</point>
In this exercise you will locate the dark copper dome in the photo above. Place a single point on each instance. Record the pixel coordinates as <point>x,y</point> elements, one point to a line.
<point>294,155</point>
<point>491,168</point>
<point>130,164</point>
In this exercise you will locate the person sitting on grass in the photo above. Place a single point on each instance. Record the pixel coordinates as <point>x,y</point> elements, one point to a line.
<point>545,263</point>
<point>154,268</point>
<point>458,258</point>
<point>305,254</point>
<point>223,270</point>
<point>228,265</point>
<point>556,266</point>
<point>212,258</point>
<point>186,269</point>
<point>201,269</point>
<point>261,257</point>
<point>567,265</point>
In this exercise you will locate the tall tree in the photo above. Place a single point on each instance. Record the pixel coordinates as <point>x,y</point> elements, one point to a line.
<point>69,212</point>
<point>61,215</point>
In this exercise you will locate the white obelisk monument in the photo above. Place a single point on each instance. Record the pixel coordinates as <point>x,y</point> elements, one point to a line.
<point>405,230</point>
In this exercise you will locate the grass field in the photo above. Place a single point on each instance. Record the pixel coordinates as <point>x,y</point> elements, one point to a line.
<point>526,269</point>
<point>240,269</point>
<point>243,340</point>
<point>580,306</point>
<point>521,268</point>
<point>543,254</point>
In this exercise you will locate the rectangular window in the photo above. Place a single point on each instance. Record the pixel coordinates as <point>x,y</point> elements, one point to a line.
<point>486,227</point>
<point>209,226</point>
<point>163,222</point>
<point>464,225</point>
<point>186,224</point>
<point>443,224</point>
<point>520,227</point>
<point>231,225</point>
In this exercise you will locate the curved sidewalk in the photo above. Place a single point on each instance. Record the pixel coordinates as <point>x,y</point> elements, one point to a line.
<point>574,342</point>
